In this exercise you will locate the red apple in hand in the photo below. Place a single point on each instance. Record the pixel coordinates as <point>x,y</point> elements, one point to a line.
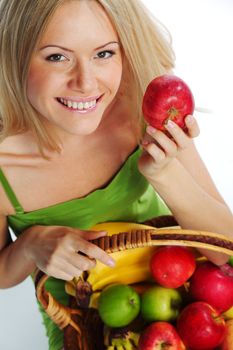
<point>213,284</point>
<point>160,335</point>
<point>171,266</point>
<point>201,327</point>
<point>167,97</point>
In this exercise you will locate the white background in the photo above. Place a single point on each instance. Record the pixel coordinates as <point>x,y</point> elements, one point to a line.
<point>202,39</point>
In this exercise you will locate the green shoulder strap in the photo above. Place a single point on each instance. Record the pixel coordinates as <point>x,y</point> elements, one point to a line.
<point>10,194</point>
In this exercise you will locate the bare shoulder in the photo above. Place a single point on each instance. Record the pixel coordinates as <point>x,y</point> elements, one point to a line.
<point>15,152</point>
<point>19,150</point>
<point>18,144</point>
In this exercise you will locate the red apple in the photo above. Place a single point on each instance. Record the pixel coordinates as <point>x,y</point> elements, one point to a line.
<point>160,335</point>
<point>201,327</point>
<point>171,266</point>
<point>213,284</point>
<point>167,97</point>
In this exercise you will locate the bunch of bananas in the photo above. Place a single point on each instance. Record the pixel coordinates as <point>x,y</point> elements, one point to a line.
<point>124,340</point>
<point>132,265</point>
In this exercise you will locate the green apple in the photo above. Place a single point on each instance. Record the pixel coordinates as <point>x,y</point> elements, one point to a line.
<point>160,304</point>
<point>118,305</point>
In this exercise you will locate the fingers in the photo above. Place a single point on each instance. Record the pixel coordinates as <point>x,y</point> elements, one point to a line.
<point>91,235</point>
<point>82,262</point>
<point>161,146</point>
<point>67,252</point>
<point>193,128</point>
<point>179,139</point>
<point>62,270</point>
<point>155,151</point>
<point>93,251</point>
<point>179,136</point>
<point>167,145</point>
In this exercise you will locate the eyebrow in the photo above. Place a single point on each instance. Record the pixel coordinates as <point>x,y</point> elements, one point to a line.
<point>64,48</point>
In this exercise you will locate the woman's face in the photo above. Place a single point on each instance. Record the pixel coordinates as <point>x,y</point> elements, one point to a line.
<point>76,69</point>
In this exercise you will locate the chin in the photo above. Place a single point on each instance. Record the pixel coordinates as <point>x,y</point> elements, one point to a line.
<point>83,128</point>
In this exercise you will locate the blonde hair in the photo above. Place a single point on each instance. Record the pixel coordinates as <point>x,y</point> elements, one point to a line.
<point>145,42</point>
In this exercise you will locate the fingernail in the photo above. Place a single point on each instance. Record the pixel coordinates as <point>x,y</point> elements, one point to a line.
<point>189,119</point>
<point>111,263</point>
<point>170,124</point>
<point>145,143</point>
<point>150,129</point>
<point>104,233</point>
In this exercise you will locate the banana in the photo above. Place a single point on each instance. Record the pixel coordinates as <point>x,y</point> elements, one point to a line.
<point>129,275</point>
<point>70,288</point>
<point>127,341</point>
<point>132,265</point>
<point>116,227</point>
<point>130,268</point>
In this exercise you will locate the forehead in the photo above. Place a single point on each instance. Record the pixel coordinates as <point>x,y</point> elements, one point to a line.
<point>80,18</point>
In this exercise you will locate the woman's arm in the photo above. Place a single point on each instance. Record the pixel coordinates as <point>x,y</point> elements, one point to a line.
<point>14,266</point>
<point>178,174</point>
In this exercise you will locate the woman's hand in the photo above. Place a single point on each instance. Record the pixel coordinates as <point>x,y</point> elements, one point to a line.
<point>63,252</point>
<point>160,150</point>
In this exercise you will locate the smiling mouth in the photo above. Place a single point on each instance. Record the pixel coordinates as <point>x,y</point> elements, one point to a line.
<point>80,106</point>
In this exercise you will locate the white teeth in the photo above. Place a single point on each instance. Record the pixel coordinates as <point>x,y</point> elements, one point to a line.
<point>78,105</point>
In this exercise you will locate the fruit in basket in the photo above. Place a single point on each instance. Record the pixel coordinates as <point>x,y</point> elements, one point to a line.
<point>172,266</point>
<point>160,335</point>
<point>120,338</point>
<point>228,314</point>
<point>228,339</point>
<point>160,304</point>
<point>138,268</point>
<point>200,326</point>
<point>118,305</point>
<point>167,97</point>
<point>213,284</point>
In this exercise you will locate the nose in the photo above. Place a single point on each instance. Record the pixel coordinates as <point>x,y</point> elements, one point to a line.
<point>82,78</point>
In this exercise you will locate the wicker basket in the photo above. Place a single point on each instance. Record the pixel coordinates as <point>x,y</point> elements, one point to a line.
<point>83,329</point>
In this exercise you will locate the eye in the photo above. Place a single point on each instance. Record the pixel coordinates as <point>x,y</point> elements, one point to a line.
<point>56,58</point>
<point>105,54</point>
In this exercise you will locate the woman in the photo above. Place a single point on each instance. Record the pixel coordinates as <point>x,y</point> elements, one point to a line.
<point>72,78</point>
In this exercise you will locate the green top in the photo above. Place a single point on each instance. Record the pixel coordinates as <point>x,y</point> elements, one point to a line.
<point>127,197</point>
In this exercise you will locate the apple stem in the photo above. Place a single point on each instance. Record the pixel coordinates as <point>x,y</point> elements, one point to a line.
<point>218,319</point>
<point>175,303</point>
<point>132,302</point>
<point>172,113</point>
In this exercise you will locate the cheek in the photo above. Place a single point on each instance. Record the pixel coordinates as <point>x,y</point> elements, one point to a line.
<point>35,83</point>
<point>40,82</point>
<point>114,77</point>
